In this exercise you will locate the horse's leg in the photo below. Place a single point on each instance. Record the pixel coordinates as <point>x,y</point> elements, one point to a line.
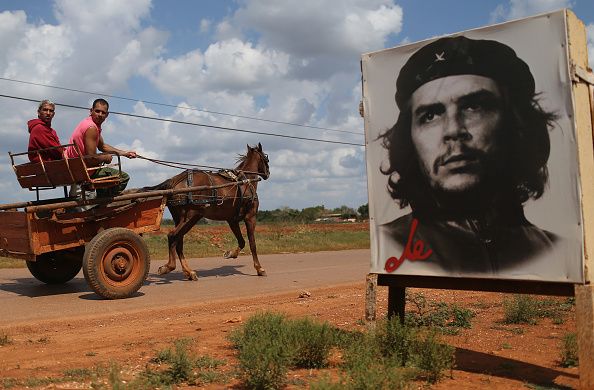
<point>178,219</point>
<point>250,224</point>
<point>232,254</point>
<point>190,222</point>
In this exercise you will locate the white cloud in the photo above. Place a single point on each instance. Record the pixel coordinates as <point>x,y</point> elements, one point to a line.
<point>205,25</point>
<point>12,25</point>
<point>230,65</point>
<point>299,67</point>
<point>238,65</point>
<point>109,43</point>
<point>38,53</point>
<point>521,8</point>
<point>102,19</point>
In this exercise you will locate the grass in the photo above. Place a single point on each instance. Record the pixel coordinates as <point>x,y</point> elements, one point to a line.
<point>525,309</point>
<point>263,351</point>
<point>214,239</point>
<point>6,262</point>
<point>447,318</point>
<point>389,357</point>
<point>169,368</point>
<point>204,241</point>
<point>569,350</point>
<point>70,375</point>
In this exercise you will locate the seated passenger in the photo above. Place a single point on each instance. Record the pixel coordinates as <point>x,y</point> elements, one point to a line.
<point>88,139</point>
<point>41,134</point>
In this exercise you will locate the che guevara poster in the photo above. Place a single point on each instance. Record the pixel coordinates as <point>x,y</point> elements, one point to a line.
<point>471,155</point>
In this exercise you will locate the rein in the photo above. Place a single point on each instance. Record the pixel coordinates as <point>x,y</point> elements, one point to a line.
<point>180,165</point>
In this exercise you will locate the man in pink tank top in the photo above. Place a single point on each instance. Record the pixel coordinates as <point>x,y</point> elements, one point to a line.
<point>87,138</point>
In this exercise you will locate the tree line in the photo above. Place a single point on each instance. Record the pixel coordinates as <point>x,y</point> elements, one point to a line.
<point>306,215</point>
<point>313,214</point>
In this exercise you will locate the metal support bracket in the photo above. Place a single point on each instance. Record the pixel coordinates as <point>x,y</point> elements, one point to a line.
<point>581,75</point>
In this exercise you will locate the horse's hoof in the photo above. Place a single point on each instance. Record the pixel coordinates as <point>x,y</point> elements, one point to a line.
<point>226,254</point>
<point>230,254</point>
<point>262,273</point>
<point>193,276</point>
<point>163,270</point>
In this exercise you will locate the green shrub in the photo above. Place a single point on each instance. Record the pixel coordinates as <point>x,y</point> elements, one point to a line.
<point>569,351</point>
<point>395,341</point>
<point>520,309</point>
<point>393,354</point>
<point>182,367</point>
<point>264,352</point>
<point>366,369</point>
<point>269,344</point>
<point>311,342</point>
<point>207,362</point>
<point>114,378</point>
<point>461,317</point>
<point>181,363</point>
<point>440,315</point>
<point>432,357</point>
<point>388,357</point>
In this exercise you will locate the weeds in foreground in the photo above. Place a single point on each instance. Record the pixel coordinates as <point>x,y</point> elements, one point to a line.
<point>525,309</point>
<point>269,345</point>
<point>264,351</point>
<point>520,309</point>
<point>73,374</point>
<point>311,342</point>
<point>180,367</point>
<point>447,318</point>
<point>569,351</point>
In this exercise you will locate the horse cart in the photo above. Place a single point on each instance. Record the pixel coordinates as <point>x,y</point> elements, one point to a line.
<point>58,237</point>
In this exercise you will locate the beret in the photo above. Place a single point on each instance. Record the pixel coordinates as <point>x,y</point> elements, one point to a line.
<point>459,55</point>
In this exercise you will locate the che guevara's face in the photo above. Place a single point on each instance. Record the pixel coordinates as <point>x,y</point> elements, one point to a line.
<point>455,121</point>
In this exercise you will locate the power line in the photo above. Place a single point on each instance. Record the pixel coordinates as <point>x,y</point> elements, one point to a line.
<point>195,124</point>
<point>173,106</point>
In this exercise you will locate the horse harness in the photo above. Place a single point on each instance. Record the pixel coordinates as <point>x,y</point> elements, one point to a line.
<point>189,198</point>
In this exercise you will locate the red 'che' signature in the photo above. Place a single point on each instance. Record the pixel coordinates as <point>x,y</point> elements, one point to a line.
<point>412,251</point>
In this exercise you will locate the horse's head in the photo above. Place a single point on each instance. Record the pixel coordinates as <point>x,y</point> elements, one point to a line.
<point>263,169</point>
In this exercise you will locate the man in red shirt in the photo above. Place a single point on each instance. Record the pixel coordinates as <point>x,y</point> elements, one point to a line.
<point>42,136</point>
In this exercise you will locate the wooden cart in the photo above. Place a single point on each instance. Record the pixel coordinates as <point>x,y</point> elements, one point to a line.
<point>57,237</point>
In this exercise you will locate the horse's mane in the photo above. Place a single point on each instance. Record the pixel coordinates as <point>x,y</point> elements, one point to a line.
<point>240,159</point>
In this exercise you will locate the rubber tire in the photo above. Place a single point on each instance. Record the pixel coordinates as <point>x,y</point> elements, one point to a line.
<point>99,263</point>
<point>56,267</point>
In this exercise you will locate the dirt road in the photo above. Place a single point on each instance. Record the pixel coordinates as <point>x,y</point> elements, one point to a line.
<point>55,330</point>
<point>24,299</point>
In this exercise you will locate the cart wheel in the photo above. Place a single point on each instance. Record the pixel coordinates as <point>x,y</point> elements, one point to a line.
<point>56,267</point>
<point>116,263</point>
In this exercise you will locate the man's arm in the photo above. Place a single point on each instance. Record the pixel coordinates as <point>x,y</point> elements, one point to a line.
<point>106,148</point>
<point>91,145</point>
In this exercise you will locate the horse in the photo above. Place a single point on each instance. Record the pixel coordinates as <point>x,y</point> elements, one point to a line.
<point>233,200</point>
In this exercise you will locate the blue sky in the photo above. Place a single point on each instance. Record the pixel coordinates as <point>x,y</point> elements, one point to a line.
<point>279,61</point>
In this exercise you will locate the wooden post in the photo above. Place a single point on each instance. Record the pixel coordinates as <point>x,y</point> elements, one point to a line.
<point>396,301</point>
<point>578,57</point>
<point>370,299</point>
<point>584,307</point>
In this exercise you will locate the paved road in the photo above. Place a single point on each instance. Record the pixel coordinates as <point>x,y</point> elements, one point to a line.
<point>24,299</point>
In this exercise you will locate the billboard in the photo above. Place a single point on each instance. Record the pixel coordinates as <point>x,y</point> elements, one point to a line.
<point>471,155</point>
